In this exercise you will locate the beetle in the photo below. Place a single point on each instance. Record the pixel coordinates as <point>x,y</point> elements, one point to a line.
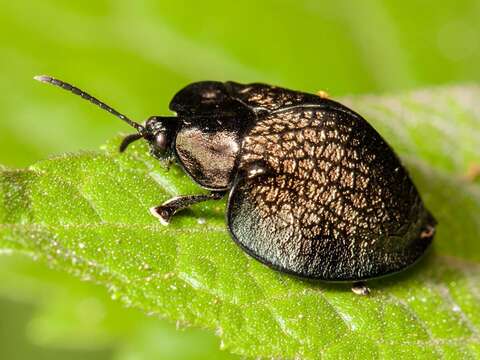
<point>313,189</point>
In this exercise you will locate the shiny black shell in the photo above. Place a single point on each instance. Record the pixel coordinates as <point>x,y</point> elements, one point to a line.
<point>314,190</point>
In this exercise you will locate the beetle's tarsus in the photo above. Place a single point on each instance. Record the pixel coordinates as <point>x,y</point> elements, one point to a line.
<point>360,288</point>
<point>160,214</point>
<point>428,232</point>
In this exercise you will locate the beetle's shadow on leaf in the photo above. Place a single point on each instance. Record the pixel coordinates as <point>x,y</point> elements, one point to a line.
<point>209,216</point>
<point>419,270</point>
<point>210,211</point>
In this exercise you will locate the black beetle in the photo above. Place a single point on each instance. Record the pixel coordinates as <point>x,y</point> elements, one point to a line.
<point>314,190</point>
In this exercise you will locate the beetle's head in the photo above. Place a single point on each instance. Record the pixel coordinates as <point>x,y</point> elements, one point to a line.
<point>159,131</point>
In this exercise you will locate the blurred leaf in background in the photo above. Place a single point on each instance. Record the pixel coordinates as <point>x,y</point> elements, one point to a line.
<point>136,55</point>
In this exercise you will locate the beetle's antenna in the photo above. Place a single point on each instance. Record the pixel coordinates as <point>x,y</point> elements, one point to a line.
<point>83,94</point>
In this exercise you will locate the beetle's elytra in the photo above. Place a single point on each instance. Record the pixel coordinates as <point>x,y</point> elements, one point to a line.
<point>313,189</point>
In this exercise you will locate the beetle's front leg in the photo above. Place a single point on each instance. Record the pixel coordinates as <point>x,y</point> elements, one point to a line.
<point>360,288</point>
<point>165,211</point>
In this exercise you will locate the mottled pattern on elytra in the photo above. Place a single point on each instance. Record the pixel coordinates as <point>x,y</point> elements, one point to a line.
<point>335,203</point>
<point>271,97</point>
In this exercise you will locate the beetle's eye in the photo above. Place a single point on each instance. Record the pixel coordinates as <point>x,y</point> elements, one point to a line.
<point>161,141</point>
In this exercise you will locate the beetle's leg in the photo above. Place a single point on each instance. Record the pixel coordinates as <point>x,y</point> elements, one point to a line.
<point>360,288</point>
<point>165,211</point>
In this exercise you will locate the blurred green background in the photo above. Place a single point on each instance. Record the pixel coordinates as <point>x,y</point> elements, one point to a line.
<point>135,55</point>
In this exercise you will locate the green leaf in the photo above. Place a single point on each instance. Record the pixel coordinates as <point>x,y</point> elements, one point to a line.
<point>87,214</point>
<point>74,318</point>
